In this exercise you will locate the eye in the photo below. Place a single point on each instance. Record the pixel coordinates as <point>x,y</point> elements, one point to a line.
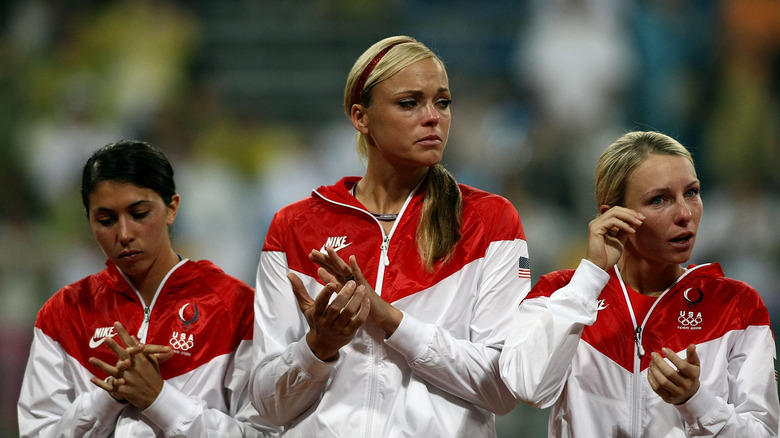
<point>444,103</point>
<point>407,103</point>
<point>693,192</point>
<point>140,215</point>
<point>656,200</point>
<point>105,221</point>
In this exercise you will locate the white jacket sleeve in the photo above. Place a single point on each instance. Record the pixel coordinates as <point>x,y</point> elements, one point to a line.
<point>753,408</point>
<point>544,335</point>
<point>47,405</point>
<point>287,378</point>
<point>468,368</point>
<point>182,415</point>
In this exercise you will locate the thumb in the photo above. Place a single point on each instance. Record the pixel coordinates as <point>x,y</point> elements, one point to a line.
<point>301,295</point>
<point>690,355</point>
<point>356,272</point>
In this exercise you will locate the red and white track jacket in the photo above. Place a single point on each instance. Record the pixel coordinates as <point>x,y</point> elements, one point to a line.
<point>204,314</point>
<point>437,375</point>
<point>593,371</point>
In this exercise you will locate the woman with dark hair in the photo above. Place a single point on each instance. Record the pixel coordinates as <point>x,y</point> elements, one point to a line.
<point>632,343</point>
<point>184,371</point>
<point>409,344</point>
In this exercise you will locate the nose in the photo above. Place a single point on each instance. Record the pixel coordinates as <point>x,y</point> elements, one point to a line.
<point>684,211</point>
<point>431,115</point>
<point>124,231</point>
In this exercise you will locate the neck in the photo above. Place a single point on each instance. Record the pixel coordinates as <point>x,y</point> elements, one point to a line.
<point>149,281</point>
<point>386,194</point>
<point>646,277</point>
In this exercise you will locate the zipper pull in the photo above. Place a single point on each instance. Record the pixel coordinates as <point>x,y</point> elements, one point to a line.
<point>638,341</point>
<point>145,324</point>
<point>385,258</point>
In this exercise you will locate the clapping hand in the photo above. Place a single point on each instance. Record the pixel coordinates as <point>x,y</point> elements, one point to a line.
<point>334,269</point>
<point>332,322</point>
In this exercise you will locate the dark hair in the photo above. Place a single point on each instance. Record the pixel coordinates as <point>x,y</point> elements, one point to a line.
<point>129,161</point>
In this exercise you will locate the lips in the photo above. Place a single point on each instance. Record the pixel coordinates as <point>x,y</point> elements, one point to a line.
<point>683,242</point>
<point>128,254</point>
<point>430,140</point>
<point>683,238</point>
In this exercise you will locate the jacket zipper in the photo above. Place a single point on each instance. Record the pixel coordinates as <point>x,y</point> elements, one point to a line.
<point>384,262</point>
<point>639,352</point>
<point>143,331</point>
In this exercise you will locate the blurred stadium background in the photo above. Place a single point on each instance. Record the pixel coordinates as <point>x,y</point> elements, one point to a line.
<point>246,98</point>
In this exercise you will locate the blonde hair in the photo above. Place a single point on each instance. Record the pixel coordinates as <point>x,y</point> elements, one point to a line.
<point>620,159</point>
<point>439,228</point>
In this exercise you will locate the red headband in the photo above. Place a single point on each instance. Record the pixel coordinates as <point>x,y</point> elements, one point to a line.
<point>367,71</point>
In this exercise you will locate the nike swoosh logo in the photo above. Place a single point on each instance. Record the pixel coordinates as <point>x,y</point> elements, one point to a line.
<point>93,343</point>
<point>335,248</point>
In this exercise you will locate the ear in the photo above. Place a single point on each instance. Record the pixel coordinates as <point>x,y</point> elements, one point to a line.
<point>603,209</point>
<point>359,117</point>
<point>173,208</point>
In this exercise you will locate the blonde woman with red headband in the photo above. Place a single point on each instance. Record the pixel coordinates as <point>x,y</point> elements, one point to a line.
<point>383,300</point>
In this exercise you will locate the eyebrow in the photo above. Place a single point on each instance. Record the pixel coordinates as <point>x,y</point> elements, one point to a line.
<point>421,92</point>
<point>656,190</point>
<point>108,210</point>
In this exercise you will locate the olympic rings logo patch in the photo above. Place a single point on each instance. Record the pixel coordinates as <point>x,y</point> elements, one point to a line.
<point>181,341</point>
<point>689,319</point>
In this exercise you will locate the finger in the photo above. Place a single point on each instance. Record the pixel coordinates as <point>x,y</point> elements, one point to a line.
<point>120,352</point>
<point>624,214</point>
<point>301,295</point>
<point>319,258</point>
<point>339,265</point>
<point>339,303</point>
<point>327,277</point>
<point>135,349</point>
<point>678,362</point>
<point>156,349</point>
<point>365,310</point>
<point>126,338</point>
<point>162,357</point>
<point>691,356</point>
<point>662,373</point>
<point>618,219</point>
<point>651,377</point>
<point>353,306</point>
<point>108,369</point>
<point>681,378</point>
<point>323,260</point>
<point>102,384</point>
<point>124,364</point>
<point>612,227</point>
<point>356,272</point>
<point>685,368</point>
<point>325,298</point>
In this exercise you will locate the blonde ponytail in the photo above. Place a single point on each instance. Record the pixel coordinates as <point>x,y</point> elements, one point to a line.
<point>439,229</point>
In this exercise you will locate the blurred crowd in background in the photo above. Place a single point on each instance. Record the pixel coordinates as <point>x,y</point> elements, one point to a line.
<point>245,96</point>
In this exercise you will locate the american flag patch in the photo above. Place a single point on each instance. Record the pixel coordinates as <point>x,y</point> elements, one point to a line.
<point>525,268</point>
